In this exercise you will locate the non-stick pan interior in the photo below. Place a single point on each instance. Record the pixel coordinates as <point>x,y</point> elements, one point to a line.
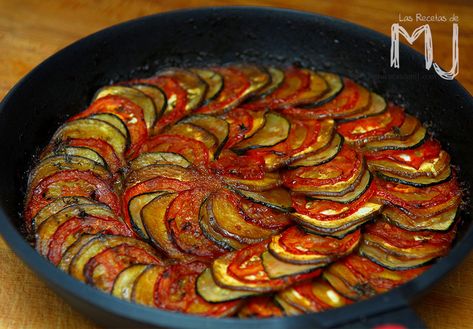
<point>65,83</point>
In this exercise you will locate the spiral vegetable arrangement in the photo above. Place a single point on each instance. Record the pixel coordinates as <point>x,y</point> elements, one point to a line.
<point>242,190</point>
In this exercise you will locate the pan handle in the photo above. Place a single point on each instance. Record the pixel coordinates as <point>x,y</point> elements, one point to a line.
<point>403,318</point>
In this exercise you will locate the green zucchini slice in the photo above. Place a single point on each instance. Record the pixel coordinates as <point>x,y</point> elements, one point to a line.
<point>114,121</point>
<point>216,126</point>
<point>335,86</point>
<point>214,82</point>
<point>135,205</point>
<point>277,198</point>
<point>277,269</point>
<point>158,158</point>
<point>80,151</point>
<point>257,76</point>
<point>439,222</point>
<point>143,288</point>
<point>378,105</point>
<point>156,94</point>
<point>277,77</point>
<point>195,132</point>
<point>413,141</point>
<point>123,284</point>
<point>322,156</point>
<point>422,181</point>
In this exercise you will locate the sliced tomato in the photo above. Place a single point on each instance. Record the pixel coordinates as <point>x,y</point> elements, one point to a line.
<point>70,183</point>
<point>235,83</point>
<point>263,216</point>
<point>176,290</point>
<point>260,307</point>
<point>101,147</point>
<point>191,149</point>
<point>182,219</point>
<point>339,169</point>
<point>411,157</point>
<point>243,124</point>
<point>401,238</point>
<point>130,113</point>
<point>76,226</point>
<point>176,99</point>
<point>102,269</point>
<point>296,241</point>
<point>240,167</point>
<point>374,127</point>
<point>347,102</point>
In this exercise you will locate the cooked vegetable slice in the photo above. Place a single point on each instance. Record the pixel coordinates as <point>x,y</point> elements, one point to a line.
<point>322,156</point>
<point>212,293</point>
<point>176,291</point>
<point>277,78</point>
<point>296,246</point>
<point>143,288</point>
<point>413,141</point>
<point>135,205</point>
<point>197,133</point>
<point>439,222</point>
<point>335,86</point>
<point>157,158</point>
<point>378,105</point>
<point>421,181</point>
<point>73,249</point>
<point>275,130</point>
<point>170,171</point>
<point>277,269</point>
<point>260,307</point>
<point>277,198</point>
<point>57,163</point>
<point>79,151</point>
<point>114,121</point>
<point>289,310</point>
<point>268,182</point>
<point>244,124</point>
<point>124,282</point>
<point>216,126</point>
<point>134,95</point>
<point>213,80</point>
<point>156,94</point>
<point>91,128</point>
<point>257,76</point>
<point>264,216</point>
<point>194,86</point>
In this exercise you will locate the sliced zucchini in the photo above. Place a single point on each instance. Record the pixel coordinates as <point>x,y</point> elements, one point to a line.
<point>156,94</point>
<point>350,196</point>
<point>297,300</point>
<point>135,205</point>
<point>91,128</point>
<point>134,95</point>
<point>257,77</point>
<point>335,86</point>
<point>56,206</point>
<point>276,129</point>
<point>378,105</point>
<point>440,222</point>
<point>277,78</point>
<point>194,86</point>
<point>268,182</point>
<point>322,156</point>
<point>195,132</point>
<point>214,82</point>
<point>170,171</point>
<point>227,219</point>
<point>157,158</point>
<point>153,217</point>
<point>79,151</point>
<point>124,282</point>
<point>276,268</point>
<point>277,198</point>
<point>413,141</point>
<point>57,163</point>
<point>318,86</point>
<point>208,289</point>
<point>288,308</point>
<point>113,120</point>
<point>73,249</point>
<point>216,126</point>
<point>325,136</point>
<point>339,226</point>
<point>143,288</point>
<point>422,181</point>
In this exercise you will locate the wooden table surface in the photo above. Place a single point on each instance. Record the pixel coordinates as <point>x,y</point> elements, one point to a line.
<point>32,30</point>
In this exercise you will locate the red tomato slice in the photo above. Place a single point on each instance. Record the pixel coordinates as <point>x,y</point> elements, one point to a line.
<point>183,221</point>
<point>243,167</point>
<point>193,150</point>
<point>412,157</point>
<point>235,83</point>
<point>175,290</point>
<point>241,121</point>
<point>296,241</point>
<point>70,183</point>
<point>77,226</point>
<point>377,125</point>
<point>263,216</point>
<point>130,113</point>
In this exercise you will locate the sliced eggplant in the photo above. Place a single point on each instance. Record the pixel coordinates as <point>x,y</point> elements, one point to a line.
<point>440,222</point>
<point>216,126</point>
<point>275,130</point>
<point>277,198</point>
<point>134,95</point>
<point>277,78</point>
<point>73,249</point>
<point>143,288</point>
<point>378,105</point>
<point>56,163</point>
<point>158,158</point>
<point>195,132</point>
<point>124,282</point>
<point>170,171</point>
<point>156,94</point>
<point>208,289</point>
<point>413,141</point>
<point>277,269</point>
<point>114,120</point>
<point>213,80</point>
<point>322,156</point>
<point>335,86</point>
<point>194,86</point>
<point>350,196</point>
<point>268,182</point>
<point>91,128</point>
<point>135,205</point>
<point>257,76</point>
<point>339,226</point>
<point>425,181</point>
<point>80,151</point>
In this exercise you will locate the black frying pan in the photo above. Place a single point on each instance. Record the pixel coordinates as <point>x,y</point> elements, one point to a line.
<point>63,85</point>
